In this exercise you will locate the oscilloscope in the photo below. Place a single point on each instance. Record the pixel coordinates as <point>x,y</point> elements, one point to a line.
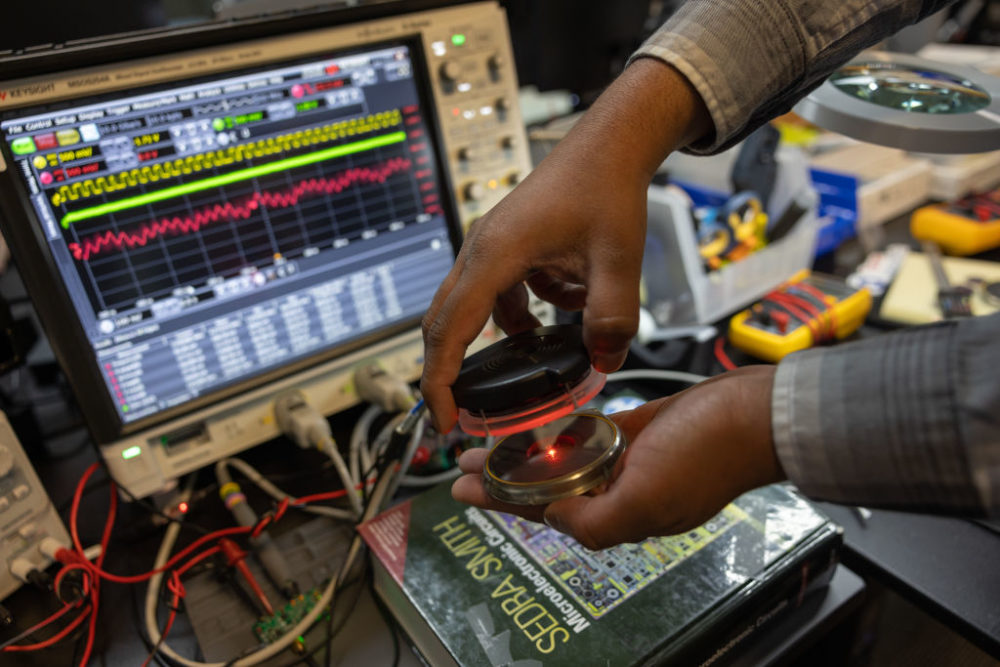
<point>207,216</point>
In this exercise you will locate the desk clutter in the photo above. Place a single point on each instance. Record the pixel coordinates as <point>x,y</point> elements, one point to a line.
<point>522,593</point>
<point>230,234</point>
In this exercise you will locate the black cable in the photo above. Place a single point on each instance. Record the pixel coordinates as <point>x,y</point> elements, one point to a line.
<point>28,632</point>
<point>155,649</point>
<point>390,622</point>
<point>136,614</point>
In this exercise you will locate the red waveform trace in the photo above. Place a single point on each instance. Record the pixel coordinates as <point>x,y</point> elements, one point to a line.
<point>310,187</point>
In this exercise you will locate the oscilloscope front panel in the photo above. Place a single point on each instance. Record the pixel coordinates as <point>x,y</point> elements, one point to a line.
<point>139,175</point>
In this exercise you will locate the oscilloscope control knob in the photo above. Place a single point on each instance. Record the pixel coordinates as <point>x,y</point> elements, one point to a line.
<point>474,191</point>
<point>6,461</point>
<point>450,70</point>
<point>508,142</point>
<point>496,61</point>
<point>502,104</point>
<point>466,153</point>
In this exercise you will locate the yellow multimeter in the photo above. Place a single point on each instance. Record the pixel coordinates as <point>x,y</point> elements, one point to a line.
<point>964,227</point>
<point>807,310</point>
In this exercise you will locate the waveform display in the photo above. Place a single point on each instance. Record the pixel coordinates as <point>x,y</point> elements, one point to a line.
<point>234,177</point>
<point>191,164</point>
<point>311,187</point>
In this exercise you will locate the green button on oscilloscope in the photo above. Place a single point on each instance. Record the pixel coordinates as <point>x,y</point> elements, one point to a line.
<point>23,146</point>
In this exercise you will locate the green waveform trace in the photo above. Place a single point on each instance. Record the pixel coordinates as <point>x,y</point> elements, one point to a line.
<point>234,177</point>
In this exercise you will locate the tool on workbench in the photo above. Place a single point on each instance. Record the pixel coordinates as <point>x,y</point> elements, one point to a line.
<point>953,300</point>
<point>807,310</point>
<point>964,227</point>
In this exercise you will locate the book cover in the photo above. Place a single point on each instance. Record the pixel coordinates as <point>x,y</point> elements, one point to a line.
<point>472,587</point>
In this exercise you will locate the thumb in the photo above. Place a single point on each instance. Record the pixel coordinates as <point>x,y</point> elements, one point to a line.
<point>596,522</point>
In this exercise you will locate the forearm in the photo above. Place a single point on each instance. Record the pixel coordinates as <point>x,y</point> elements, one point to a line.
<point>645,114</point>
<point>909,420</point>
<point>751,60</point>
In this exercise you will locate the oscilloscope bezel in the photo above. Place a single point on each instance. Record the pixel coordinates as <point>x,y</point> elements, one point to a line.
<point>38,267</point>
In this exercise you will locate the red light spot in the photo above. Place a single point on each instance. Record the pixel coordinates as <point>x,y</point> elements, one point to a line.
<point>550,448</point>
<point>183,507</point>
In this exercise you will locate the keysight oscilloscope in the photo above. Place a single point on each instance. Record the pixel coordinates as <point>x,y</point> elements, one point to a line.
<point>208,216</point>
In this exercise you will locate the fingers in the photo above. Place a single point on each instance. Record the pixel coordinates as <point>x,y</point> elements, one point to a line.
<point>611,316</point>
<point>457,315</point>
<point>567,296</point>
<point>469,489</point>
<point>473,460</point>
<point>598,521</point>
<point>511,311</point>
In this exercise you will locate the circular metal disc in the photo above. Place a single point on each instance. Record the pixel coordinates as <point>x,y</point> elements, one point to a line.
<point>910,103</point>
<point>565,457</point>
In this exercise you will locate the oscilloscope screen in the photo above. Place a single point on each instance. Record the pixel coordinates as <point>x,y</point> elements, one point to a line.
<point>209,232</point>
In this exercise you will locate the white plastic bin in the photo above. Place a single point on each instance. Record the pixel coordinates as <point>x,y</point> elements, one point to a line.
<point>677,289</point>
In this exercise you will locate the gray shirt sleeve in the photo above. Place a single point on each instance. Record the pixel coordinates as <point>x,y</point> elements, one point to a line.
<point>751,60</point>
<point>909,420</point>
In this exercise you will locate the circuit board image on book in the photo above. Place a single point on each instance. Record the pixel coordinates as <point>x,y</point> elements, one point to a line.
<point>471,587</point>
<point>599,581</point>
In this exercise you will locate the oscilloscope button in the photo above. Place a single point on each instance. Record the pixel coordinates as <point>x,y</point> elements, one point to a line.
<point>474,191</point>
<point>450,70</point>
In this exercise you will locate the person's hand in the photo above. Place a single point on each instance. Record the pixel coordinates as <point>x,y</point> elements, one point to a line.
<point>573,231</point>
<point>688,456</point>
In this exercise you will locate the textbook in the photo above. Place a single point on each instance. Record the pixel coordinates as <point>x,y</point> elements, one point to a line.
<point>473,587</point>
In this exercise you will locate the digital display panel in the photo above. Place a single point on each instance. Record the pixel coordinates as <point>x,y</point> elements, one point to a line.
<point>210,232</point>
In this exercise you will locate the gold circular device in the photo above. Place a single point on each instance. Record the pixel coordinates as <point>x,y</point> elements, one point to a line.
<point>565,457</point>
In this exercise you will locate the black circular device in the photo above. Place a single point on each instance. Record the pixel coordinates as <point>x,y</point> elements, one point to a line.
<point>566,457</point>
<point>525,380</point>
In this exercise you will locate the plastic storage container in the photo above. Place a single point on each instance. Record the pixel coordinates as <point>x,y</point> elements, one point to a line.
<point>678,292</point>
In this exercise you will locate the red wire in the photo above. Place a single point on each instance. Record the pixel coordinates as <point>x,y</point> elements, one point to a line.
<point>95,595</point>
<point>822,324</point>
<point>821,297</point>
<point>163,635</point>
<point>41,624</point>
<point>77,560</point>
<point>145,576</point>
<point>789,304</point>
<point>54,639</point>
<point>720,354</point>
<point>329,495</point>
<point>177,588</point>
<point>57,584</point>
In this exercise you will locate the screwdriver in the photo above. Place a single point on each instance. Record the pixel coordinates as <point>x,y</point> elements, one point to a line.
<point>952,299</point>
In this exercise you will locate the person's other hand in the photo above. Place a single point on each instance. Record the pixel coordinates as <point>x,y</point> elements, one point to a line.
<point>688,456</point>
<point>573,231</point>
